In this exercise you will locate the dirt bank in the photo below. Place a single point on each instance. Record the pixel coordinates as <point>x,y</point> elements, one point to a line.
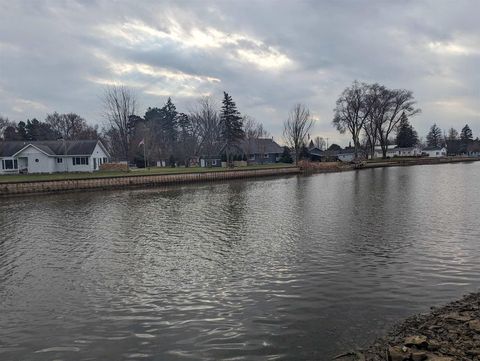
<point>449,333</point>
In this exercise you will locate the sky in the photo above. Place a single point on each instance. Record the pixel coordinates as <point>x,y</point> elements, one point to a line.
<point>268,55</point>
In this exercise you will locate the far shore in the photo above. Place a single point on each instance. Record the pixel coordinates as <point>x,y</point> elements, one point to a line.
<point>41,183</point>
<point>137,172</point>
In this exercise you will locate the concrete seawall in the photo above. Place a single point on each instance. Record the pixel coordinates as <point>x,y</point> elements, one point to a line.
<point>52,186</point>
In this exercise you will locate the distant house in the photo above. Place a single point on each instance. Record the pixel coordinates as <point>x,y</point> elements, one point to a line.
<point>52,156</point>
<point>261,150</point>
<point>391,152</point>
<point>405,152</point>
<point>255,151</point>
<point>316,154</point>
<point>473,149</point>
<point>346,155</point>
<point>435,152</point>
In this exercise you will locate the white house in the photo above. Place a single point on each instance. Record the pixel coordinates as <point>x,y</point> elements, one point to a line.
<point>52,156</point>
<point>346,155</point>
<point>391,152</point>
<point>407,152</point>
<point>435,152</point>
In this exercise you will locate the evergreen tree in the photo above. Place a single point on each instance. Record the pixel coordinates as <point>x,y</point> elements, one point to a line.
<point>36,130</point>
<point>434,136</point>
<point>22,131</point>
<point>406,135</point>
<point>186,141</point>
<point>170,120</point>
<point>334,147</point>
<point>162,122</point>
<point>466,134</point>
<point>11,133</point>
<point>286,157</point>
<point>231,124</point>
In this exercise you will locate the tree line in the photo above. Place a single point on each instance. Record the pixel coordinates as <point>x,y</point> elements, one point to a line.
<point>374,112</point>
<point>69,126</point>
<point>376,115</point>
<point>371,113</point>
<point>173,136</point>
<point>161,133</point>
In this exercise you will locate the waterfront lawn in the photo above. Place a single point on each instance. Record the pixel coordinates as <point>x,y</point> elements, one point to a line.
<point>133,172</point>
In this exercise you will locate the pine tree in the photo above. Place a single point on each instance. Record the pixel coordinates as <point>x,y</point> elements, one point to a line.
<point>434,136</point>
<point>466,134</point>
<point>406,136</point>
<point>231,124</point>
<point>163,123</point>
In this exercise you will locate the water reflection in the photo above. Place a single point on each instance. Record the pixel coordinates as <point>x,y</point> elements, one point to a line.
<point>287,268</point>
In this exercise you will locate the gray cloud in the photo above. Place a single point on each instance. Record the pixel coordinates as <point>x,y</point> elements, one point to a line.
<point>58,55</point>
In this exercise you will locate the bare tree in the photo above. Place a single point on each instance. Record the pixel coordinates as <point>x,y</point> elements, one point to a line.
<point>253,129</point>
<point>351,112</point>
<point>452,134</point>
<point>394,103</point>
<point>377,99</point>
<point>71,126</point>
<point>296,128</point>
<point>120,104</point>
<point>254,132</point>
<point>4,124</point>
<point>205,126</point>
<point>319,142</point>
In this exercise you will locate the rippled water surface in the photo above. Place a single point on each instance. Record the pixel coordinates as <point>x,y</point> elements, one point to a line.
<point>289,268</point>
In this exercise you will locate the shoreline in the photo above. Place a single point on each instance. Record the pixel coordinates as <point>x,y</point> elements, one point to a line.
<point>78,183</point>
<point>447,333</point>
<point>8,189</point>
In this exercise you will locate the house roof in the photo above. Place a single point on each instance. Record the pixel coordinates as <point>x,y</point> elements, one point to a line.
<point>378,148</point>
<point>260,146</point>
<point>405,148</point>
<point>433,148</point>
<point>50,147</point>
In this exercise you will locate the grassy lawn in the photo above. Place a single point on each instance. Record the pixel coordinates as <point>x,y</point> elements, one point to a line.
<point>133,172</point>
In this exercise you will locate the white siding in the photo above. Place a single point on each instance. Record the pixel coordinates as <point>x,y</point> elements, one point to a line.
<point>38,162</point>
<point>346,157</point>
<point>436,153</point>
<point>99,155</point>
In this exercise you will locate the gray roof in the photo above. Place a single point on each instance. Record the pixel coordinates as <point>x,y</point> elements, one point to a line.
<point>260,146</point>
<point>50,147</point>
<point>433,148</point>
<point>404,148</point>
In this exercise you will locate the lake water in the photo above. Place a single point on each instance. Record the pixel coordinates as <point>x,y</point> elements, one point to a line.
<point>294,268</point>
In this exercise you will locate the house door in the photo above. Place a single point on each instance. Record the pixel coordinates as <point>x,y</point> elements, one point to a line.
<point>94,163</point>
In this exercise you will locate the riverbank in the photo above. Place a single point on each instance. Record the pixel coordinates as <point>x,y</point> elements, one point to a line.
<point>449,333</point>
<point>133,179</point>
<point>61,182</point>
<point>409,161</point>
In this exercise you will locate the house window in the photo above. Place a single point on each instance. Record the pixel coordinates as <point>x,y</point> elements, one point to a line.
<point>59,160</point>
<point>437,153</point>
<point>214,162</point>
<point>265,155</point>
<point>80,160</point>
<point>36,160</point>
<point>252,156</point>
<point>9,164</point>
<point>105,160</point>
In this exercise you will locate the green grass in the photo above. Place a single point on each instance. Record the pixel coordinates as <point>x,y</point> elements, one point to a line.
<point>137,172</point>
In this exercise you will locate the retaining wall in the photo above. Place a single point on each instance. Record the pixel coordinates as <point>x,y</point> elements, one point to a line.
<point>15,188</point>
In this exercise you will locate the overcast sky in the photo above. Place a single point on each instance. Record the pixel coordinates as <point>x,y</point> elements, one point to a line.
<point>269,55</point>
